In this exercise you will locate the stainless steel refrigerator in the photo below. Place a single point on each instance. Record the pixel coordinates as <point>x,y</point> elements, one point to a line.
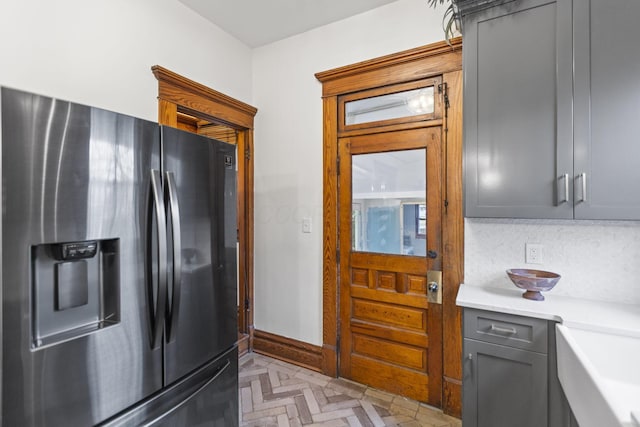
<point>118,270</point>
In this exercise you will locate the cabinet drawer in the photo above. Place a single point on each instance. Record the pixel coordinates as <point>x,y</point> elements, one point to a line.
<point>506,329</point>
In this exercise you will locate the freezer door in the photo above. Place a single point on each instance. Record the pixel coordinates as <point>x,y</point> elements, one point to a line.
<point>207,397</point>
<point>203,318</point>
<point>76,346</point>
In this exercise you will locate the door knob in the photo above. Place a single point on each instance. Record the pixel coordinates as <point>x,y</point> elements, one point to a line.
<point>434,287</point>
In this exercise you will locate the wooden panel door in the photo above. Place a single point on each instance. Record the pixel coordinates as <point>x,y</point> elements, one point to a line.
<point>390,335</point>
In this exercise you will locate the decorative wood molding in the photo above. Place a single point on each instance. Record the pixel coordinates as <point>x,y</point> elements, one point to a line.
<point>193,96</point>
<point>243,344</point>
<point>408,65</point>
<point>167,113</point>
<point>451,396</point>
<point>288,349</point>
<point>453,251</point>
<point>330,237</point>
<point>186,104</point>
<point>329,360</point>
<point>414,64</point>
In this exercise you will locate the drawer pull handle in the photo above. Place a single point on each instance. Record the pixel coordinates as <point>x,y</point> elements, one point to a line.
<point>510,331</point>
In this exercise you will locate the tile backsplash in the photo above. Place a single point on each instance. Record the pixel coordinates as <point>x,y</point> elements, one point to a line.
<point>597,260</point>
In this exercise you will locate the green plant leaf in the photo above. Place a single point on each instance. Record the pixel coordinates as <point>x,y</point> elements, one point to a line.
<point>449,18</point>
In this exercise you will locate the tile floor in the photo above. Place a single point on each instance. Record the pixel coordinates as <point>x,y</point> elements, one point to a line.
<point>278,394</point>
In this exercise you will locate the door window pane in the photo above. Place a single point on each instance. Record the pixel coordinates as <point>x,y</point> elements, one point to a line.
<point>389,212</point>
<point>392,106</point>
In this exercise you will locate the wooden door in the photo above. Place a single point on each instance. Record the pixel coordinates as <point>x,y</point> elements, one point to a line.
<point>390,335</point>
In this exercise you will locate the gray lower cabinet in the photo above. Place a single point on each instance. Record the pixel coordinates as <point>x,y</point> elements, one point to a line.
<point>509,372</point>
<point>504,386</point>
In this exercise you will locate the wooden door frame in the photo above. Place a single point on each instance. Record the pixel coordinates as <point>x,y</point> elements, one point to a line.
<point>415,64</point>
<point>179,95</point>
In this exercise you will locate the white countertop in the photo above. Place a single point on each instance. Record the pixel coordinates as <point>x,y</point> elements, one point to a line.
<point>574,312</point>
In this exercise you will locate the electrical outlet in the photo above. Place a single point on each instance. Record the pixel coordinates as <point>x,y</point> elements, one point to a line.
<point>533,253</point>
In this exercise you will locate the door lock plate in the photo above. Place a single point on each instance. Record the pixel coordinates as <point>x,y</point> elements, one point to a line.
<point>434,286</point>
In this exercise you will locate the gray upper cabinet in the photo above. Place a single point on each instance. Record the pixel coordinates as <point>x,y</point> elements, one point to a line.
<point>551,108</point>
<point>517,60</point>
<point>606,107</point>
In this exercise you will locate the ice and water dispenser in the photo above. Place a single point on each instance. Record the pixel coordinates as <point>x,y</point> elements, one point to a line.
<point>75,289</point>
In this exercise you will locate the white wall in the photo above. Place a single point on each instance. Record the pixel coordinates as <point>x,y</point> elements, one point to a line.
<point>288,154</point>
<point>100,52</point>
<point>597,259</point>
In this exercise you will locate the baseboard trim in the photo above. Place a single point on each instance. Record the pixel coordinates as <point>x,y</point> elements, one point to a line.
<point>290,350</point>
<point>452,397</point>
<point>243,344</point>
<point>330,361</point>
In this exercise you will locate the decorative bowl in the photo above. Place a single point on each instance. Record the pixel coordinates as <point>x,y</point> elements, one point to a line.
<point>533,281</point>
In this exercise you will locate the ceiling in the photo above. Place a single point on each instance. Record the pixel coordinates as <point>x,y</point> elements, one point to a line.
<point>260,22</point>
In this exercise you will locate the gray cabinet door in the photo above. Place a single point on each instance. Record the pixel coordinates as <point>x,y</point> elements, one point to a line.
<point>607,102</point>
<point>503,386</point>
<point>517,111</point>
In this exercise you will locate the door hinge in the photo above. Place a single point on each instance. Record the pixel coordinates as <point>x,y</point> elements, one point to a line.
<point>247,152</point>
<point>442,89</point>
<point>246,304</point>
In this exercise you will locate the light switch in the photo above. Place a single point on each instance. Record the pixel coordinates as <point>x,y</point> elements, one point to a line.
<point>306,225</point>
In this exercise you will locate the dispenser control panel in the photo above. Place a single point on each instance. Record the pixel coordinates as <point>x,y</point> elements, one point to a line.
<point>75,250</point>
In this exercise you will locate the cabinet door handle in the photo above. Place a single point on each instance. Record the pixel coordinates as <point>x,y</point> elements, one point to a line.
<point>565,199</point>
<point>510,331</point>
<point>583,186</point>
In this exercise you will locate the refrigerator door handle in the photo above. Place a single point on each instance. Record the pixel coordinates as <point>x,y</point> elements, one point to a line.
<point>188,398</point>
<point>156,315</point>
<point>171,195</point>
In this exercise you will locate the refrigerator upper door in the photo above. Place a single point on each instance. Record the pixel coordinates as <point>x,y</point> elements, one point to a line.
<point>76,345</point>
<point>203,322</point>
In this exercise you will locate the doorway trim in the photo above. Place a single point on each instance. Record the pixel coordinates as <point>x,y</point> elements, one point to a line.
<point>178,97</point>
<point>438,58</point>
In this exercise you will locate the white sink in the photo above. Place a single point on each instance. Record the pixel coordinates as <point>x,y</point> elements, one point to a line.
<point>600,375</point>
